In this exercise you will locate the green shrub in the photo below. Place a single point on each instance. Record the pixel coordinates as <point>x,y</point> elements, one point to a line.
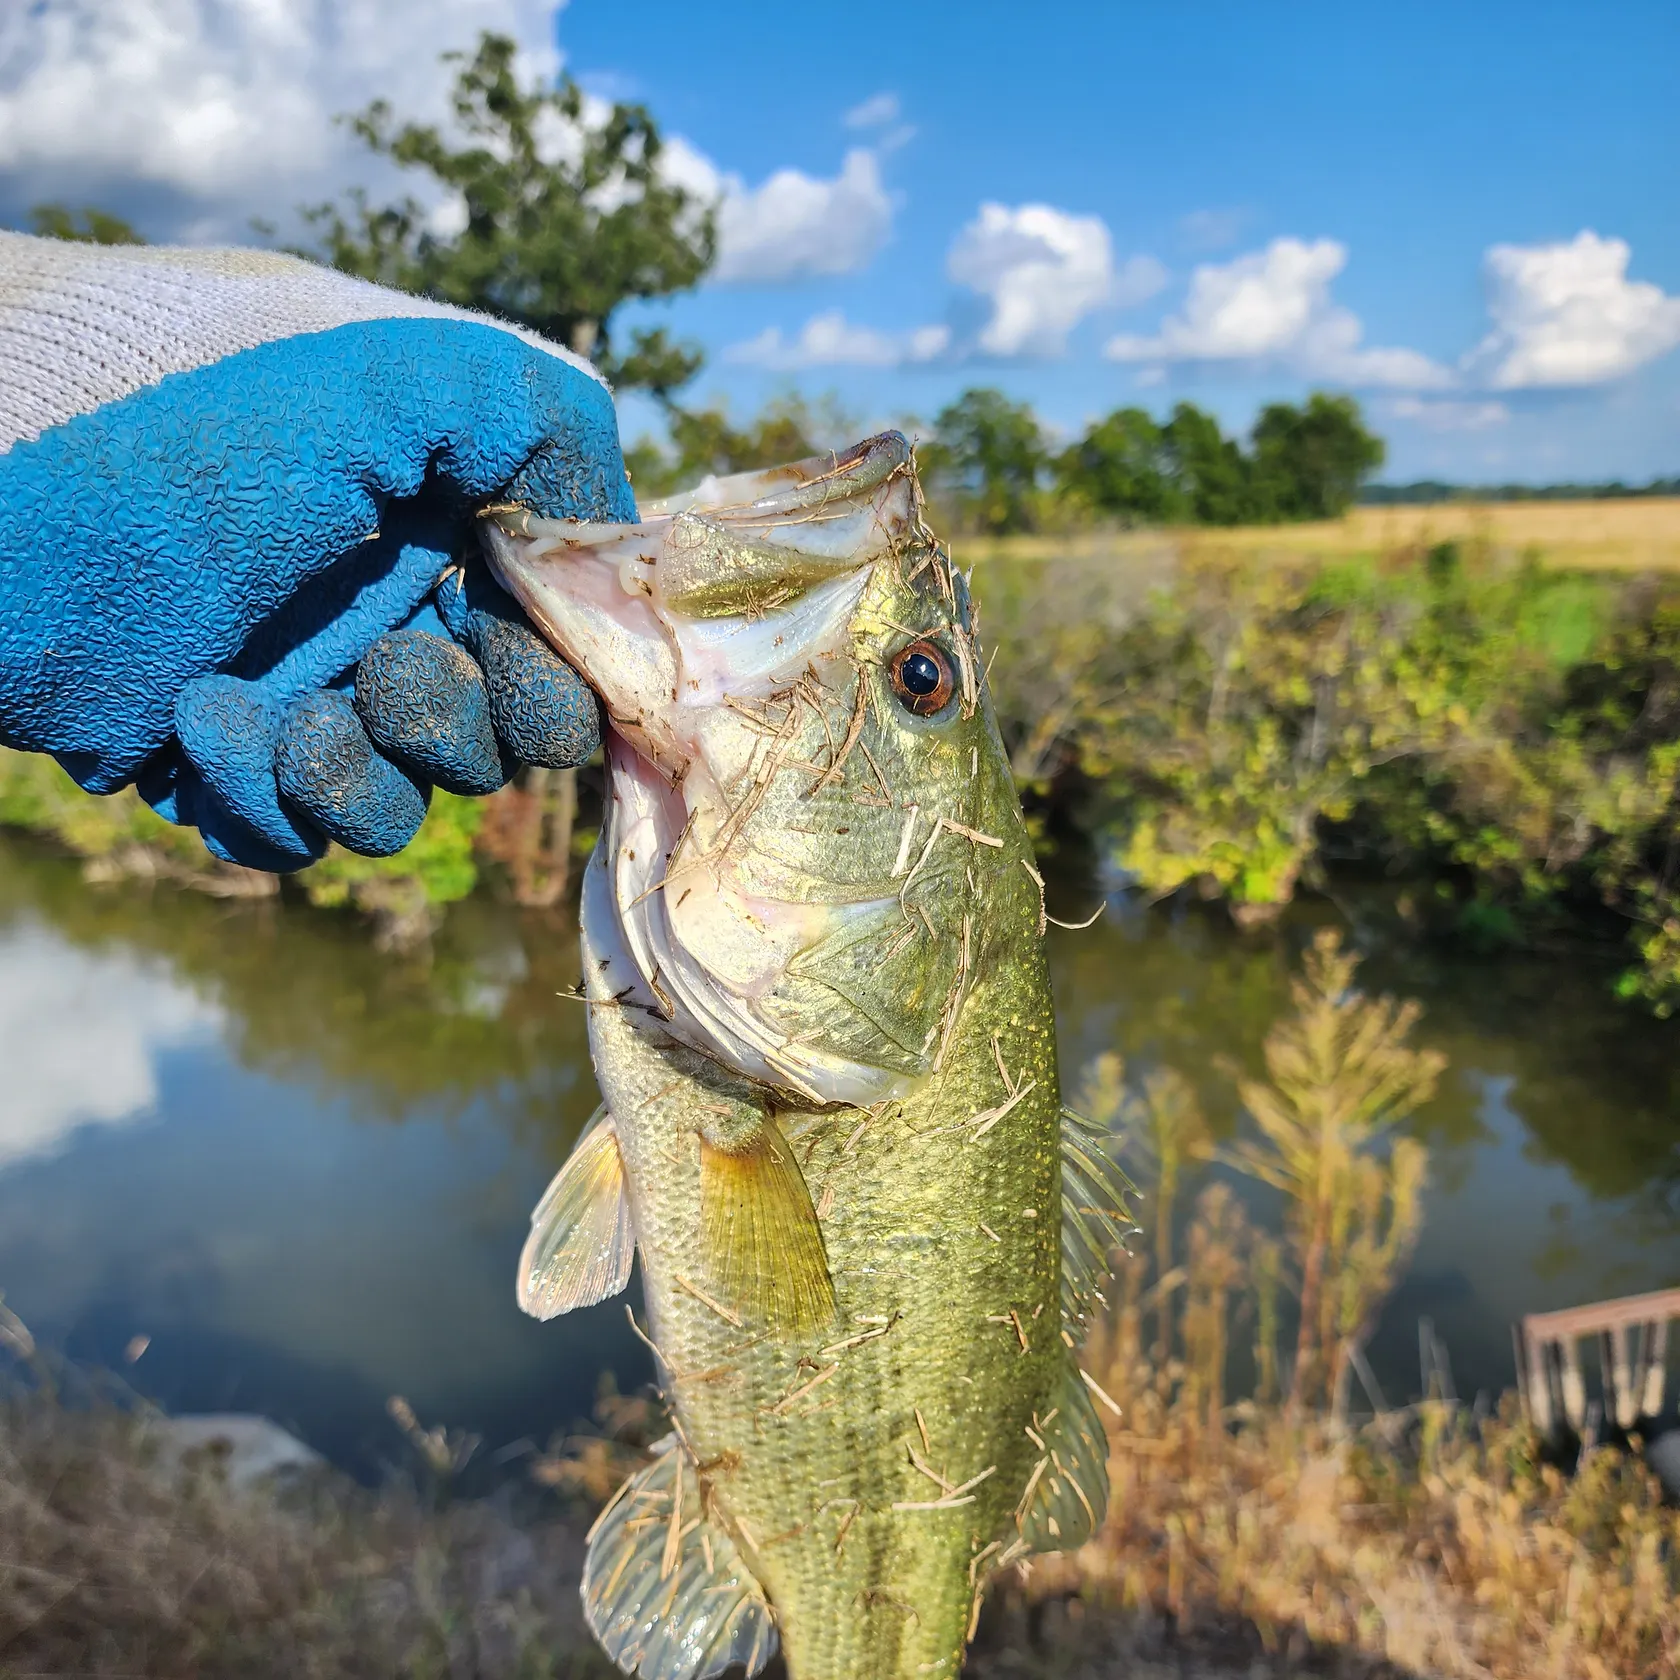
<point>1511,731</point>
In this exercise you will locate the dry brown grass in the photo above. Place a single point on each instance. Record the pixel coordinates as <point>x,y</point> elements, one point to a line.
<point>1638,535</point>
<point>1247,1549</point>
<point>1441,1548</point>
<point>110,1567</point>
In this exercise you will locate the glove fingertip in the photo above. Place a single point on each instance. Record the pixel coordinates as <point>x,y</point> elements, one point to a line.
<point>227,730</point>
<point>544,712</point>
<point>422,700</point>
<point>232,842</point>
<point>328,768</point>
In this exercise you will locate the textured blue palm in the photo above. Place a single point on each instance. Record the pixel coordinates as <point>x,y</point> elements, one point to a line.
<point>184,572</point>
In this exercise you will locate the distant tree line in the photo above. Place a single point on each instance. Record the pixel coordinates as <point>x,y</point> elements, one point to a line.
<point>994,469</point>
<point>990,466</point>
<point>1429,491</point>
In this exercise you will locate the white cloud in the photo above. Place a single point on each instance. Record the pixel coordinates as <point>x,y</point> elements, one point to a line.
<point>796,226</point>
<point>224,109</point>
<point>1449,414</point>
<point>79,1039</point>
<point>880,110</point>
<point>1275,306</point>
<point>227,102</point>
<point>1567,314</point>
<point>830,340</point>
<point>1044,270</point>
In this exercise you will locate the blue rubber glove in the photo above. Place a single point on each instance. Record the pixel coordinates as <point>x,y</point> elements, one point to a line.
<point>237,562</point>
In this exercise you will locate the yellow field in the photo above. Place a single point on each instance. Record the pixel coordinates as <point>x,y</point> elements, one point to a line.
<point>1637,535</point>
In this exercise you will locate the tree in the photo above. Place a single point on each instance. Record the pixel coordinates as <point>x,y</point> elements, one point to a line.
<point>1211,472</point>
<point>87,226</point>
<point>988,451</point>
<point>554,236</point>
<point>1121,466</point>
<point>705,441</point>
<point>1309,462</point>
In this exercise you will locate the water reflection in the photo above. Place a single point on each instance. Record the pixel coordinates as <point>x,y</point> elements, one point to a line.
<point>57,1001</point>
<point>329,1164</point>
<point>304,1168</point>
<point>1554,1135</point>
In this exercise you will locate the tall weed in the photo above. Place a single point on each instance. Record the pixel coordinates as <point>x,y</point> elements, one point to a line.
<point>1431,1539</point>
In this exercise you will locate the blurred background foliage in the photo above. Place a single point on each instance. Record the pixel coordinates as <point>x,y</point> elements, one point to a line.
<point>1502,738</point>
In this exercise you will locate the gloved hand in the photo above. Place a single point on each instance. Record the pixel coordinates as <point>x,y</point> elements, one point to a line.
<point>230,484</point>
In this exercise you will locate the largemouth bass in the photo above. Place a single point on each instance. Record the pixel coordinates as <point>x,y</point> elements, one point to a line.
<point>821,1021</point>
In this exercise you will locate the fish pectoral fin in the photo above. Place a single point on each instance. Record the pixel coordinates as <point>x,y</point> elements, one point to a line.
<point>1067,1494</point>
<point>1096,1220</point>
<point>760,1239</point>
<point>665,1589</point>
<point>582,1238</point>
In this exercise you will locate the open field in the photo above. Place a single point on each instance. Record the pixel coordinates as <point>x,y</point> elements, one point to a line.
<point>1637,535</point>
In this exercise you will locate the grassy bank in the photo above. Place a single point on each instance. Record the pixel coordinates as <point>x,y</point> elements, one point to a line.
<point>112,1565</point>
<point>523,837</point>
<point>1264,1551</point>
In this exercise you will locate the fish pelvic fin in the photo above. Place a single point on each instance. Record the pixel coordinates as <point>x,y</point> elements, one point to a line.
<point>1096,1220</point>
<point>1066,1496</point>
<point>665,1590</point>
<point>582,1239</point>
<point>760,1239</point>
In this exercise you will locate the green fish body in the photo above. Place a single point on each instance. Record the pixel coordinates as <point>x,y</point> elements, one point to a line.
<point>822,1025</point>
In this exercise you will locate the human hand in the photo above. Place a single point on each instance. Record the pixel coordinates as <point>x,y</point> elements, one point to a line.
<point>230,484</point>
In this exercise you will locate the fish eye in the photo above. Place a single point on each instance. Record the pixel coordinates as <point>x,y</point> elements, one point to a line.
<point>922,678</point>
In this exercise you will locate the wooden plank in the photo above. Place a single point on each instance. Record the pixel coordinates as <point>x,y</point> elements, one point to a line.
<point>1656,1373</point>
<point>1658,1305</point>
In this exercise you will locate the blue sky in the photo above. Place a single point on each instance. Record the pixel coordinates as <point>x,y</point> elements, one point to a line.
<point>1464,214</point>
<point>1416,137</point>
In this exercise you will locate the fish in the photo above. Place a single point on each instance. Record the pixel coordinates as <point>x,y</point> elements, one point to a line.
<point>871,1235</point>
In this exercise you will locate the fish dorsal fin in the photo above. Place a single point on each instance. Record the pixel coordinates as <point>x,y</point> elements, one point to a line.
<point>582,1238</point>
<point>1095,1220</point>
<point>1067,1494</point>
<point>664,1589</point>
<point>759,1235</point>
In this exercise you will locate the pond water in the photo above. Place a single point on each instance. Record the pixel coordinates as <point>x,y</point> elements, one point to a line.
<point>302,1169</point>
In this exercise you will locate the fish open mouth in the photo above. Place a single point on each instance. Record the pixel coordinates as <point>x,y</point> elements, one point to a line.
<point>690,625</point>
<point>725,592</point>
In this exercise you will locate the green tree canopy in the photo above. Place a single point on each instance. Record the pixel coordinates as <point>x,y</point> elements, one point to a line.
<point>1121,467</point>
<point>1303,463</point>
<point>706,440</point>
<point>1309,462</point>
<point>986,453</point>
<point>1213,475</point>
<point>87,226</point>
<point>555,238</point>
